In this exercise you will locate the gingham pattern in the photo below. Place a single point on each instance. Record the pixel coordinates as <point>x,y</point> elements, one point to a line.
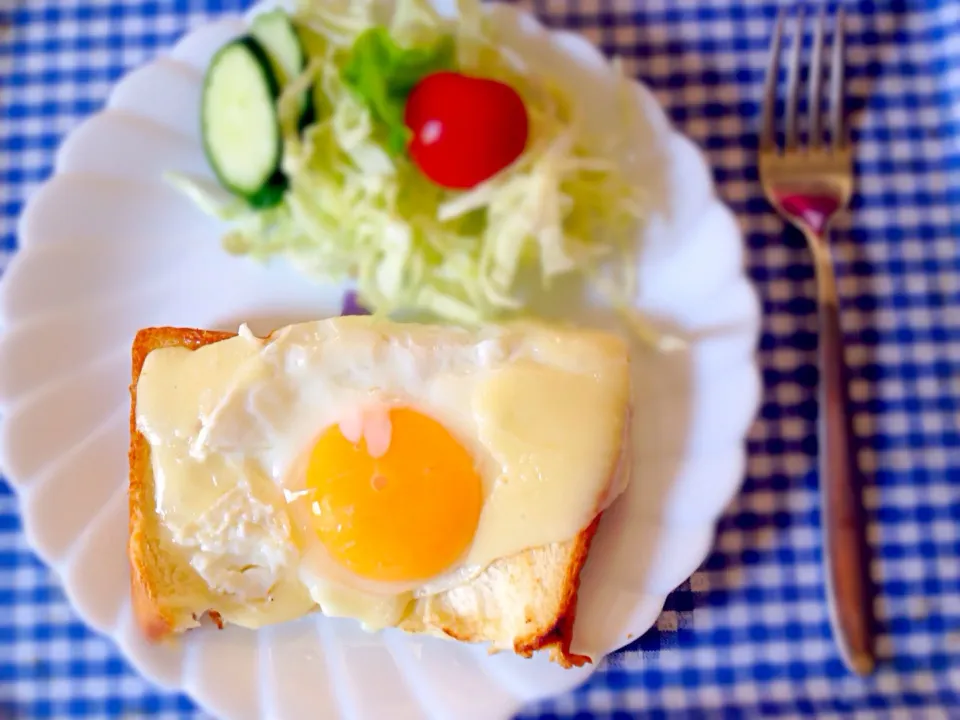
<point>748,633</point>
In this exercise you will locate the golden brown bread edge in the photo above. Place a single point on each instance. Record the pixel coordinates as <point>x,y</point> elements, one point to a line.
<point>553,636</point>
<point>147,609</point>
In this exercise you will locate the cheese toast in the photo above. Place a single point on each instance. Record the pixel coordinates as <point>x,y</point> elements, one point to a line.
<point>522,603</point>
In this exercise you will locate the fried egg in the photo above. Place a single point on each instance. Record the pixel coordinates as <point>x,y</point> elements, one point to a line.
<point>358,464</point>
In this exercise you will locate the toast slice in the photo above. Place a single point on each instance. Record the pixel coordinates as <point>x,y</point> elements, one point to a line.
<point>523,603</point>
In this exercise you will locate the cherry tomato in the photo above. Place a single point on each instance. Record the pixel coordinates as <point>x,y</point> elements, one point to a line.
<point>465,129</point>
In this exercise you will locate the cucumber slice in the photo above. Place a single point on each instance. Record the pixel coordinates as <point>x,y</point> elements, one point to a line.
<point>276,34</point>
<point>241,133</point>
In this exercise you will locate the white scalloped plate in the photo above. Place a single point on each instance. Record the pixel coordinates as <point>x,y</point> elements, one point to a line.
<point>107,248</point>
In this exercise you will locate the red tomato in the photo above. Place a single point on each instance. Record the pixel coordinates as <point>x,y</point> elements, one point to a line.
<point>465,129</point>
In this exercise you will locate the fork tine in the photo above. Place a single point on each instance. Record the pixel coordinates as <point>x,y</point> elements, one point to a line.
<point>815,80</point>
<point>767,131</point>
<point>837,133</point>
<point>793,81</point>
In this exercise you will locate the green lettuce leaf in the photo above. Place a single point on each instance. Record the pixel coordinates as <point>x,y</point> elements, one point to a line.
<point>382,74</point>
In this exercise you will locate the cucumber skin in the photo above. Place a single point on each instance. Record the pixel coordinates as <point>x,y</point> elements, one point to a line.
<point>273,87</point>
<point>308,115</point>
<point>271,194</point>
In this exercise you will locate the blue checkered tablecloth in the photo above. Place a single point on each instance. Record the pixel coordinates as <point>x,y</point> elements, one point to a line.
<point>748,634</point>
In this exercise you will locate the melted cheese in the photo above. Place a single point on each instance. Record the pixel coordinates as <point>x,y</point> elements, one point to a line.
<point>543,411</point>
<point>553,433</point>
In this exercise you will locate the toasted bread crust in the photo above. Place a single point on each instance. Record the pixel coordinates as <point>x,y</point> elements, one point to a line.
<point>552,633</point>
<point>148,611</point>
<point>555,637</point>
<point>557,640</point>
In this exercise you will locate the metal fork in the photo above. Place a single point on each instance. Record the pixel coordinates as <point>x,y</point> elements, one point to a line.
<point>809,185</point>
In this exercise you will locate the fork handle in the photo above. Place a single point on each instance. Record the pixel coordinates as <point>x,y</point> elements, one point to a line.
<point>846,554</point>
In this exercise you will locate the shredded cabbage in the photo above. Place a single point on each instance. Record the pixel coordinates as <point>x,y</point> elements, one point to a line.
<point>355,211</point>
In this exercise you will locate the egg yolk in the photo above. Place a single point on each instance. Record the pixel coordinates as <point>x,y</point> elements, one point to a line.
<point>407,514</point>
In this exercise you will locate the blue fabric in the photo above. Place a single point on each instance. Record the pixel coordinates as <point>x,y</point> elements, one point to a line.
<point>748,634</point>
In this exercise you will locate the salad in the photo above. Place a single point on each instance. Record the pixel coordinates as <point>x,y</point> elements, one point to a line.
<point>415,157</point>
